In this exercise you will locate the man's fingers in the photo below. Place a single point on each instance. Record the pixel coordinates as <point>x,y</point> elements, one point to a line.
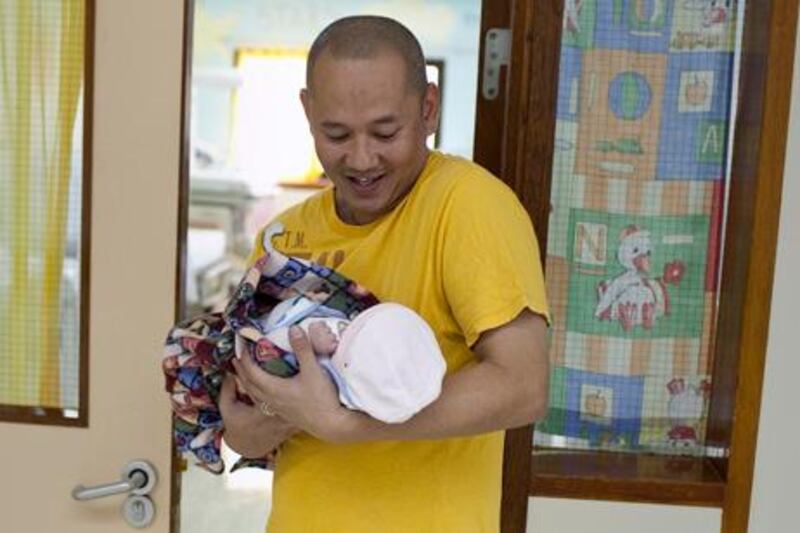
<point>239,385</point>
<point>227,393</point>
<point>243,369</point>
<point>256,381</point>
<point>240,347</point>
<point>302,348</point>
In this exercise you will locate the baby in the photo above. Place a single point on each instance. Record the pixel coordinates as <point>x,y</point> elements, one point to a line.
<point>382,357</point>
<point>385,362</point>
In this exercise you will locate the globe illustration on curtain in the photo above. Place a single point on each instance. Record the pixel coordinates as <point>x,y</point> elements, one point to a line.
<point>629,95</point>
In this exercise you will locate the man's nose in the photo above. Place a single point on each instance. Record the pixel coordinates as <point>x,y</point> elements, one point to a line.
<point>363,156</point>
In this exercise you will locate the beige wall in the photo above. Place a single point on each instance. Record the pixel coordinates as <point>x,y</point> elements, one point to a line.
<point>777,462</point>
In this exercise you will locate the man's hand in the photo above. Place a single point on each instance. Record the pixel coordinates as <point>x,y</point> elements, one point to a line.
<point>307,401</point>
<point>248,431</point>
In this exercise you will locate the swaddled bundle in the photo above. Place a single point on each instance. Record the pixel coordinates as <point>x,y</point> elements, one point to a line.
<point>383,357</point>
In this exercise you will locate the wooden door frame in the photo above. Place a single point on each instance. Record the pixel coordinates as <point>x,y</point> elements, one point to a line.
<point>490,119</point>
<point>514,138</point>
<point>759,152</point>
<point>523,158</point>
<point>178,464</point>
<point>503,137</point>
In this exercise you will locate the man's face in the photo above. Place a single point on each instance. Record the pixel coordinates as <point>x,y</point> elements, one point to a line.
<point>369,129</point>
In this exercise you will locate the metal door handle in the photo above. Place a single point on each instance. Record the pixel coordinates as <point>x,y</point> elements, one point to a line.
<point>138,477</point>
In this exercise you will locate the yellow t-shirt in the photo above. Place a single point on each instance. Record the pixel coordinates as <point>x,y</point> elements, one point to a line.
<point>460,250</point>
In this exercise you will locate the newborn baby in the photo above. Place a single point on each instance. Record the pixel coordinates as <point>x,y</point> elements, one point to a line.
<point>385,362</point>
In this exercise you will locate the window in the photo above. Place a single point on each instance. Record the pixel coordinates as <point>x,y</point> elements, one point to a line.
<point>43,208</point>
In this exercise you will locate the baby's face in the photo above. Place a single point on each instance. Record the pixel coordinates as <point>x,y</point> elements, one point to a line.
<point>323,340</point>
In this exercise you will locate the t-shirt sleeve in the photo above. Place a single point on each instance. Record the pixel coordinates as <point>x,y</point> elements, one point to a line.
<point>491,262</point>
<point>258,247</point>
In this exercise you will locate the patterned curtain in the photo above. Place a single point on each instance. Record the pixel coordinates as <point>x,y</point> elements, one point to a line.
<point>638,192</point>
<point>41,80</point>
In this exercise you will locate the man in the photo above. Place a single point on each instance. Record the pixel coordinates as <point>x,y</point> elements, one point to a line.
<point>433,232</point>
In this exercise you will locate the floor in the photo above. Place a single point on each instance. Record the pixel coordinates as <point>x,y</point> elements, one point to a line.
<point>228,502</point>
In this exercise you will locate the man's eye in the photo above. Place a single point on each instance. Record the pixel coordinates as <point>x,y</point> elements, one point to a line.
<point>386,136</point>
<point>337,138</point>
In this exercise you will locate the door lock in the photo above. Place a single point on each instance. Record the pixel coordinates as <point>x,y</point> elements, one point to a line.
<point>138,511</point>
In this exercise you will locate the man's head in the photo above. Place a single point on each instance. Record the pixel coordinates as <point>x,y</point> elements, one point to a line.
<point>371,110</point>
<point>363,37</point>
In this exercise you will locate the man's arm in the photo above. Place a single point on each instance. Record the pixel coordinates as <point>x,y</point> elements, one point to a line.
<point>507,387</point>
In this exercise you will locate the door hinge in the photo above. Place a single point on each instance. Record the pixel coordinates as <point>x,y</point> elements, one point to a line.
<point>497,54</point>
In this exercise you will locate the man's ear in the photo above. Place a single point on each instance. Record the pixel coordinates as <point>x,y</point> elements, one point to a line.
<point>430,108</point>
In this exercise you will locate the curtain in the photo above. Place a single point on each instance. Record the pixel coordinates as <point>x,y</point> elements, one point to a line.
<point>644,109</point>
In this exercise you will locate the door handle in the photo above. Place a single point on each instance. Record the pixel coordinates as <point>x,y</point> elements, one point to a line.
<point>139,477</point>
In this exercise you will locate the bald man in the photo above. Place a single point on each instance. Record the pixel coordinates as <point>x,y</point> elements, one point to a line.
<point>431,231</point>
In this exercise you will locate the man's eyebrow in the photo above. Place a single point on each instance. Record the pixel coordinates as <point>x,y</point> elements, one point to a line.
<point>332,125</point>
<point>388,119</point>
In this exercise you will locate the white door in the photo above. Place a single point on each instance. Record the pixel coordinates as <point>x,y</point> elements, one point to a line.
<point>137,104</point>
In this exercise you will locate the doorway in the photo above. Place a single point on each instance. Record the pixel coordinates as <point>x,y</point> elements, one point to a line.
<point>248,65</point>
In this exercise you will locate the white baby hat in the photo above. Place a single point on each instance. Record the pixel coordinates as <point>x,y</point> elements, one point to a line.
<point>390,362</point>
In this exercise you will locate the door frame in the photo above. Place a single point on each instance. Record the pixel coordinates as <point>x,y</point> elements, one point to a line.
<point>507,155</point>
<point>178,463</point>
<point>514,138</point>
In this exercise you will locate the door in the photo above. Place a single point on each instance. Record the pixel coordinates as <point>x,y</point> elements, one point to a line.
<point>134,210</point>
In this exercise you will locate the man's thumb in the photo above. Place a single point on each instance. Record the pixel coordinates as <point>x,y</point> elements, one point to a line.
<point>301,347</point>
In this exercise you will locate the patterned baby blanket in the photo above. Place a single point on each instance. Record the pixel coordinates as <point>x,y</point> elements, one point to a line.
<point>198,351</point>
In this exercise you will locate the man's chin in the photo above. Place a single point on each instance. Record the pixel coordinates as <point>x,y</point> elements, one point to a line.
<point>363,212</point>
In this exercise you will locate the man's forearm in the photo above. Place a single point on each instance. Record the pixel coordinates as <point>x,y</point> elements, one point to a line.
<point>478,399</point>
<point>248,446</point>
<point>257,443</point>
<point>507,388</point>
